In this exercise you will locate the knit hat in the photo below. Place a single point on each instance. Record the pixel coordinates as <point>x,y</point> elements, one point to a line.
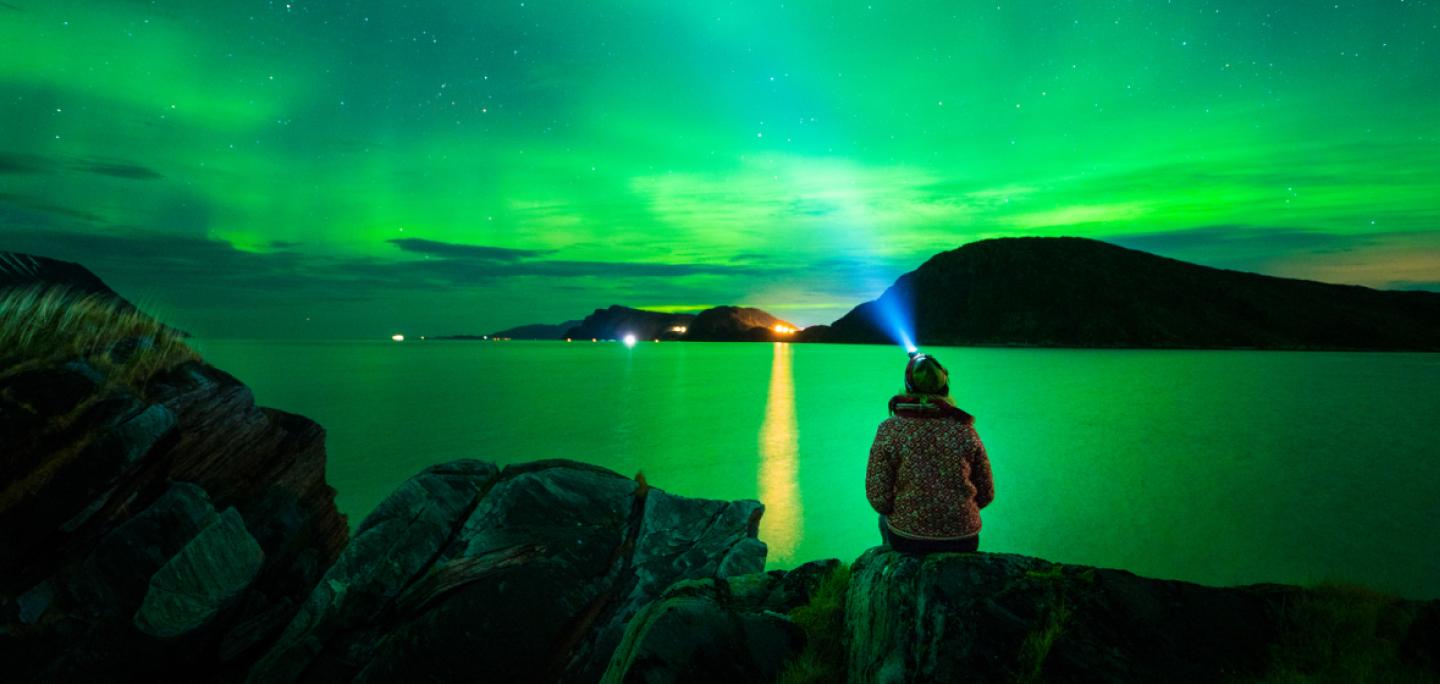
<point>925,375</point>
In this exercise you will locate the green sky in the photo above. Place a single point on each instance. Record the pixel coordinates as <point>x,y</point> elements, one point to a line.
<point>340,169</point>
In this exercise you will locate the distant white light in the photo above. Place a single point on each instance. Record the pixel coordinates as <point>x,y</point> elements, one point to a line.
<point>629,340</point>
<point>678,329</point>
<point>398,337</point>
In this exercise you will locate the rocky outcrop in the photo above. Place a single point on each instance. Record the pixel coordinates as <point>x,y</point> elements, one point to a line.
<point>1002,617</point>
<point>618,321</point>
<point>167,531</point>
<point>530,573</point>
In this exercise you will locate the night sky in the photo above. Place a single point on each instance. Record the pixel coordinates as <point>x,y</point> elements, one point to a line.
<point>341,169</point>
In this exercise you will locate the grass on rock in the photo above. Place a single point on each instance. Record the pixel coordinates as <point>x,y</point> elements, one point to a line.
<point>45,325</point>
<point>1342,633</point>
<point>823,620</point>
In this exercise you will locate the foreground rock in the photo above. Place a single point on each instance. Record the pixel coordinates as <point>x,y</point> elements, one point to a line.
<point>168,531</point>
<point>719,630</point>
<point>1001,617</point>
<point>530,573</point>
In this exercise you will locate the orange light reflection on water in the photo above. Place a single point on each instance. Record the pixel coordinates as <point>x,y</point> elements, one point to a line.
<point>780,527</point>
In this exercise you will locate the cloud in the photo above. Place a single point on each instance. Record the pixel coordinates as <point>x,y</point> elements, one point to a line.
<point>1241,241</point>
<point>453,250</point>
<point>1390,259</point>
<point>1076,215</point>
<point>116,169</point>
<point>206,271</point>
<point>1433,286</point>
<point>468,263</point>
<point>13,163</point>
<point>28,204</point>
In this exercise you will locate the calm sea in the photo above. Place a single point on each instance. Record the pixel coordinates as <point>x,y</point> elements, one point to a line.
<point>1216,467</point>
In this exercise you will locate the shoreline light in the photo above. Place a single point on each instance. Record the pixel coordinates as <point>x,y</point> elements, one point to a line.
<point>398,337</point>
<point>629,339</point>
<point>783,329</point>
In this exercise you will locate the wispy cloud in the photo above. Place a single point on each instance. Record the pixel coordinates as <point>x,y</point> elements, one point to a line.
<point>452,250</point>
<point>18,163</point>
<point>116,169</point>
<point>1390,259</point>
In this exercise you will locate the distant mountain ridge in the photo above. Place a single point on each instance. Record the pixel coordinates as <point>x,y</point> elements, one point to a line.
<point>737,324</point>
<point>1078,292</point>
<point>536,331</point>
<point>618,321</point>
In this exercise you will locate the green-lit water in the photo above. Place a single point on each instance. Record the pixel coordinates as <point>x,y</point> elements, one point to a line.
<point>1218,467</point>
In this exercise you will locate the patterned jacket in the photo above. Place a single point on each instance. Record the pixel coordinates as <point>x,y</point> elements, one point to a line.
<point>928,471</point>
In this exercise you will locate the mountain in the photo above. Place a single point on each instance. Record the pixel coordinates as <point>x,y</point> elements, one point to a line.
<point>1075,292</point>
<point>618,321</point>
<point>737,324</point>
<point>536,331</point>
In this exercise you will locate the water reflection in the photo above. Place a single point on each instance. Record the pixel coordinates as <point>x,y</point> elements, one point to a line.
<point>779,466</point>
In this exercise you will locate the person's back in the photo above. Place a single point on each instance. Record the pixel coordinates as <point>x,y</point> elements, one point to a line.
<point>928,475</point>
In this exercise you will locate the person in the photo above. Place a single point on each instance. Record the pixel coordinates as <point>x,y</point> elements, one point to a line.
<point>928,475</point>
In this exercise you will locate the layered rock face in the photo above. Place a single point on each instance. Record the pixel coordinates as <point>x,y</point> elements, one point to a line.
<point>169,531</point>
<point>530,573</point>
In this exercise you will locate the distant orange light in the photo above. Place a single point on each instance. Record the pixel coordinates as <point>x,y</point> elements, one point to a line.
<point>784,329</point>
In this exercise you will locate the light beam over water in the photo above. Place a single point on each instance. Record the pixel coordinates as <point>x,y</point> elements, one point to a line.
<point>781,527</point>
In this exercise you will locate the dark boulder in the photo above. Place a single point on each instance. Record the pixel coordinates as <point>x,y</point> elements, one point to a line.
<point>530,573</point>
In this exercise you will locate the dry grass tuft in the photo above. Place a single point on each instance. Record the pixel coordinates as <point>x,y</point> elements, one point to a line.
<point>42,325</point>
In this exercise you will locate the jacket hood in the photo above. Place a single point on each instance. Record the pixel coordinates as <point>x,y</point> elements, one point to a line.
<point>922,406</point>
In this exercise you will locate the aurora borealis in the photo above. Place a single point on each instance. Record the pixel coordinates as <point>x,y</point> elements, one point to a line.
<point>333,169</point>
